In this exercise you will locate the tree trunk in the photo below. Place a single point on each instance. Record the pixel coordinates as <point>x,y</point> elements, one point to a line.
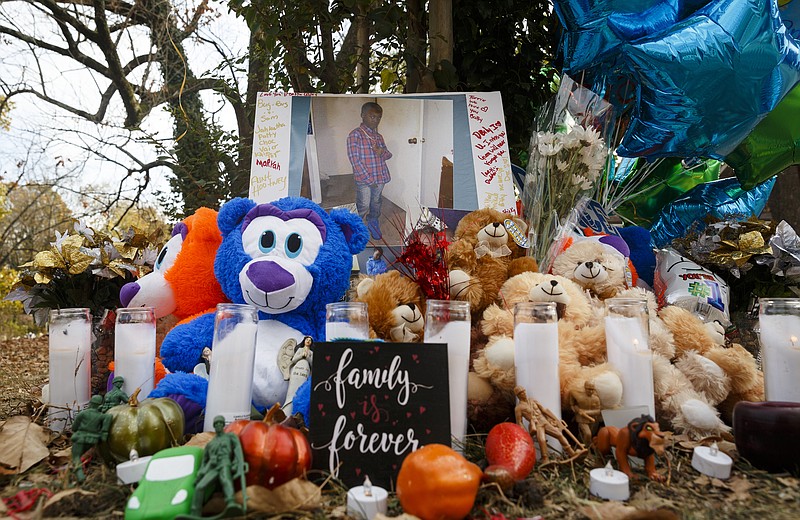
<point>416,36</point>
<point>784,203</point>
<point>362,51</point>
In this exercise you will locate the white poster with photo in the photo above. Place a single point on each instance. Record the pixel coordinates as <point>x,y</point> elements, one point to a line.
<point>448,150</point>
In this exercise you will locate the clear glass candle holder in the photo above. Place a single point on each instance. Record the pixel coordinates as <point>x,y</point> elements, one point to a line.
<point>779,323</point>
<point>448,321</point>
<point>70,345</point>
<point>628,347</point>
<point>346,320</point>
<point>230,382</point>
<point>536,355</point>
<point>135,349</point>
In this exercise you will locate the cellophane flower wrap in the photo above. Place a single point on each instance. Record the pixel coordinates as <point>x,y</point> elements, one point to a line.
<point>569,152</point>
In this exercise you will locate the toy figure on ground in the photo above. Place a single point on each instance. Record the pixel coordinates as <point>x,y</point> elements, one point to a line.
<point>223,462</point>
<point>587,408</point>
<point>114,396</point>
<point>640,438</point>
<point>543,422</point>
<point>89,428</point>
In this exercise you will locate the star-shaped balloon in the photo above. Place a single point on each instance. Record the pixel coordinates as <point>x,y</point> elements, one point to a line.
<point>721,199</point>
<point>596,29</point>
<point>706,82</point>
<point>772,146</point>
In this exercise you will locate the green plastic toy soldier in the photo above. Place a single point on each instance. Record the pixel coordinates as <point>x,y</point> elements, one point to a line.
<point>223,462</point>
<point>115,396</point>
<point>89,427</point>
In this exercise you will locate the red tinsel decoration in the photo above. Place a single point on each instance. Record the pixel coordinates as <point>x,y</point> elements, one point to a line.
<point>423,260</point>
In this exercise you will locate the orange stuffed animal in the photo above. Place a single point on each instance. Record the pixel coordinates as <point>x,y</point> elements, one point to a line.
<point>182,282</point>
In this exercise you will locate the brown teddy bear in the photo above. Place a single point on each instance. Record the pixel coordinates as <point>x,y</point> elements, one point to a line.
<point>395,305</point>
<point>483,255</point>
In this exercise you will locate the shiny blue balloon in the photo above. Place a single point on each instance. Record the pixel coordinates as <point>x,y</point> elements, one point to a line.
<point>596,29</point>
<point>722,199</point>
<point>704,83</point>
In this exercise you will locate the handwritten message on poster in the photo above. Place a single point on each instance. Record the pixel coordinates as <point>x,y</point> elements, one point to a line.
<point>373,403</point>
<point>490,152</point>
<point>269,169</point>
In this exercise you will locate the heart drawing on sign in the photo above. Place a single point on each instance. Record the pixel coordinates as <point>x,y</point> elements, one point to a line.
<point>422,410</point>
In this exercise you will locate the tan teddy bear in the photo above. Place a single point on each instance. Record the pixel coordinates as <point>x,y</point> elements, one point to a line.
<point>683,403</point>
<point>483,255</point>
<point>395,305</point>
<point>585,375</point>
<point>594,265</point>
<point>586,380</point>
<point>702,354</point>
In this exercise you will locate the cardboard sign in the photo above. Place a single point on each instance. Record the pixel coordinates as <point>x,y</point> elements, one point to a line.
<point>490,152</point>
<point>373,403</point>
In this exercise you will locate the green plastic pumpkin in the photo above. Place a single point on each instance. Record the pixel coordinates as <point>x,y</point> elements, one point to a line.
<point>147,426</point>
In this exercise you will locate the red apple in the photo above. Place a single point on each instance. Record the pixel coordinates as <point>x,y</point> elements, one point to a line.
<point>511,446</point>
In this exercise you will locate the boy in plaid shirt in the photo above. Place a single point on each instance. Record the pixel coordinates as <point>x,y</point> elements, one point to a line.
<point>368,154</point>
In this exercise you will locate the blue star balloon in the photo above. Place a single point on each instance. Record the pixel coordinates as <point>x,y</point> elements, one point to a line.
<point>596,29</point>
<point>705,82</point>
<point>790,14</point>
<point>721,199</point>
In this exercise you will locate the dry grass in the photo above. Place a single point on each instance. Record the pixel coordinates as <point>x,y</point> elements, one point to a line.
<point>556,491</point>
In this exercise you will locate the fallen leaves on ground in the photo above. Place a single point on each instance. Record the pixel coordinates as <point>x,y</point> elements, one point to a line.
<point>22,444</point>
<point>610,510</point>
<point>740,487</point>
<point>297,494</point>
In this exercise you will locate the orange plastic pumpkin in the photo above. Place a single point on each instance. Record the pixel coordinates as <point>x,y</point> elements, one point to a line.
<point>275,453</point>
<point>436,483</point>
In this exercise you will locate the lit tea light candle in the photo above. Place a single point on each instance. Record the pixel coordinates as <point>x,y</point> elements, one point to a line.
<point>609,483</point>
<point>366,501</point>
<point>708,460</point>
<point>132,471</point>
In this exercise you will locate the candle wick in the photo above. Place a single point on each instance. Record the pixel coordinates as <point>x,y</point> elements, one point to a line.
<point>367,486</point>
<point>713,450</point>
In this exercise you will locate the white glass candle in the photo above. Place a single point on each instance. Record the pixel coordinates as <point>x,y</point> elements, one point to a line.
<point>536,355</point>
<point>779,321</point>
<point>346,320</point>
<point>629,350</point>
<point>230,383</point>
<point>70,365</point>
<point>448,321</point>
<point>135,349</point>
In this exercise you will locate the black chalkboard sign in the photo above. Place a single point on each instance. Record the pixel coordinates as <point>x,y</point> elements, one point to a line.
<point>373,403</point>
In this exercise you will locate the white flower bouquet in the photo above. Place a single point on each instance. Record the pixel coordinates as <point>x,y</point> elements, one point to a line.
<point>569,152</point>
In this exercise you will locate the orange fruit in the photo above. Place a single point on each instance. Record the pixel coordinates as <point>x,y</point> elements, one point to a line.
<point>436,483</point>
